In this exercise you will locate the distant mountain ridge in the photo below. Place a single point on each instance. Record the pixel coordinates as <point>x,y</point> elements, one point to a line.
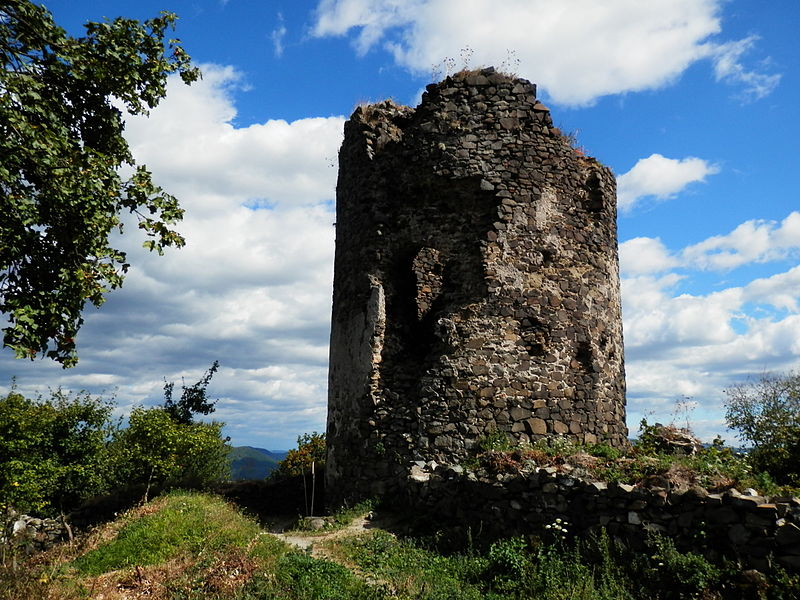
<point>248,462</point>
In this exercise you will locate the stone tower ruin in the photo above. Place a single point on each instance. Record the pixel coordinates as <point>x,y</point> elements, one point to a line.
<point>476,285</point>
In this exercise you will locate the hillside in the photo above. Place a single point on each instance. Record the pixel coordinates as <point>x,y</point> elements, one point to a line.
<point>188,545</point>
<point>248,462</point>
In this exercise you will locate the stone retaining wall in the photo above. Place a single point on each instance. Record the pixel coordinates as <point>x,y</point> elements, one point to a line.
<point>756,530</point>
<point>30,534</point>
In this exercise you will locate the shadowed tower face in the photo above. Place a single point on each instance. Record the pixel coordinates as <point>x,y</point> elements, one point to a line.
<point>476,285</point>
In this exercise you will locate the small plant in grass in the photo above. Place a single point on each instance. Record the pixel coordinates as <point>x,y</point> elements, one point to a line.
<point>508,562</point>
<point>558,529</point>
<point>680,575</point>
<point>498,441</point>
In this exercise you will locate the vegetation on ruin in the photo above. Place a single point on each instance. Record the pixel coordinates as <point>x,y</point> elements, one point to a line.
<point>715,467</point>
<point>764,412</point>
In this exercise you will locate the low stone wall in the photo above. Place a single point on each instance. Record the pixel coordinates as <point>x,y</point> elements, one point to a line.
<point>756,530</point>
<point>29,534</point>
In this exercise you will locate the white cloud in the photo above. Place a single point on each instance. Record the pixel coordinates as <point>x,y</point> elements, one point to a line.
<point>695,345</point>
<point>576,50</point>
<point>252,288</point>
<point>661,178</point>
<point>728,68</point>
<point>643,255</point>
<point>277,36</point>
<point>337,17</point>
<point>751,242</point>
<point>191,143</point>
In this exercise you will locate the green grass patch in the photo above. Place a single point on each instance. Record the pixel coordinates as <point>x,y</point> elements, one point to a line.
<point>187,523</point>
<point>511,568</point>
<point>298,576</point>
<point>409,571</point>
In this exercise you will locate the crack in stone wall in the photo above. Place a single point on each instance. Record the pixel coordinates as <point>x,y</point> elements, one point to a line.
<point>476,284</point>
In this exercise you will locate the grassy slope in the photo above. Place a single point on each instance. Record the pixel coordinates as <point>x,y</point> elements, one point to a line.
<point>181,546</point>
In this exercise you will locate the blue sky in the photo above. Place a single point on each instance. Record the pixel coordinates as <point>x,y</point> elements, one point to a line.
<point>692,103</point>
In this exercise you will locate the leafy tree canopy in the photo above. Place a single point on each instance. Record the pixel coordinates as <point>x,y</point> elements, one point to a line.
<point>155,449</point>
<point>59,451</point>
<point>52,451</point>
<point>766,413</point>
<point>193,398</point>
<point>311,451</point>
<point>61,154</point>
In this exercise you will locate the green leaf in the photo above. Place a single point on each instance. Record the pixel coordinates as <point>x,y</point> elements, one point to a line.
<point>61,148</point>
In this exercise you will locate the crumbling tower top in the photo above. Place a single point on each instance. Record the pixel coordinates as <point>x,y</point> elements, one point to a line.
<point>476,284</point>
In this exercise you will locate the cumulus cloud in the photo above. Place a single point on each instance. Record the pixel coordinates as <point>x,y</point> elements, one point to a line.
<point>251,288</point>
<point>754,241</point>
<point>577,50</point>
<point>681,345</point>
<point>643,255</point>
<point>191,143</point>
<point>661,178</point>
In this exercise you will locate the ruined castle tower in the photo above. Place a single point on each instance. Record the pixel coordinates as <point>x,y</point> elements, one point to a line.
<point>476,284</point>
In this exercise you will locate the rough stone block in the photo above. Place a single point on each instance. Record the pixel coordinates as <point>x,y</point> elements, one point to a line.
<point>537,426</point>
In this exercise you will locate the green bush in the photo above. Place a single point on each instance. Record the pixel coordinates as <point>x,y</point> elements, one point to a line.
<point>508,560</point>
<point>679,575</point>
<point>57,452</point>
<point>157,450</point>
<point>53,450</point>
<point>310,452</point>
<point>766,413</point>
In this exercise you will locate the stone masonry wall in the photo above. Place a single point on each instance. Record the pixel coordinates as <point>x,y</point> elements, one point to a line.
<point>756,531</point>
<point>476,284</point>
<point>30,534</point>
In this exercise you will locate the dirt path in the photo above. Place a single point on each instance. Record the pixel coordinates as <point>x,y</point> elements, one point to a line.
<point>315,539</point>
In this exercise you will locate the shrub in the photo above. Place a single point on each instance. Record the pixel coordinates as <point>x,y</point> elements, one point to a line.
<point>311,450</point>
<point>508,561</point>
<point>53,450</point>
<point>57,452</point>
<point>766,413</point>
<point>155,449</point>
<point>679,575</point>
